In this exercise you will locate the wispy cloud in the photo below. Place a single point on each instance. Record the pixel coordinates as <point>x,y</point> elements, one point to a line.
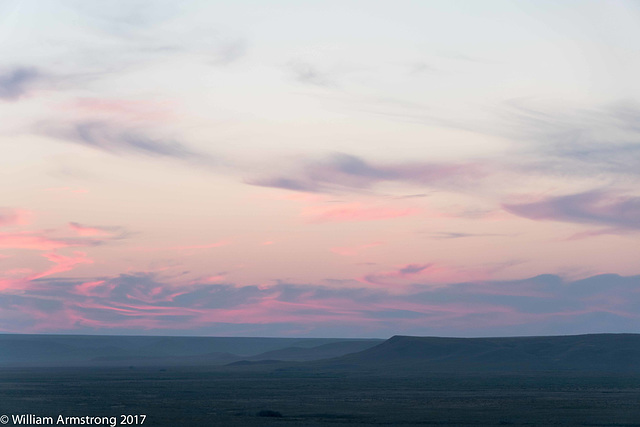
<point>98,231</point>
<point>591,207</point>
<point>41,241</point>
<point>595,233</point>
<point>345,172</point>
<point>306,73</point>
<point>12,216</point>
<point>543,304</point>
<point>229,51</point>
<point>410,269</point>
<point>121,110</point>
<point>18,82</point>
<point>138,34</point>
<point>121,140</point>
<point>62,263</point>
<point>52,239</point>
<point>402,272</point>
<point>578,141</point>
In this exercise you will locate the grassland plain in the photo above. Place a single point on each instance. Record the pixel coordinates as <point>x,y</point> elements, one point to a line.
<point>233,396</point>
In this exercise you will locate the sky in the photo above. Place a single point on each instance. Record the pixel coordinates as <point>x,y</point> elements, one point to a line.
<point>320,168</point>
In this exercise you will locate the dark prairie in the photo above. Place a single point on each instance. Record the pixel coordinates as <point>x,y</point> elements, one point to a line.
<point>580,380</point>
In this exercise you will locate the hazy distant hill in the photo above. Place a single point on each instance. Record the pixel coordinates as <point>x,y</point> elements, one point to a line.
<point>400,354</point>
<point>207,359</point>
<point>584,353</point>
<point>99,350</point>
<point>325,351</point>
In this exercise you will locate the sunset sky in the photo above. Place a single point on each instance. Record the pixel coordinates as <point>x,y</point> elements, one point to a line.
<point>320,168</point>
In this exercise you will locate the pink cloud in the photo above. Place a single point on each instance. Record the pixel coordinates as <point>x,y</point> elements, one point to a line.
<point>340,171</point>
<point>10,216</point>
<point>430,273</point>
<point>590,207</point>
<point>42,240</point>
<point>17,272</point>
<point>270,309</point>
<point>7,284</point>
<point>594,233</point>
<point>215,278</point>
<point>208,279</point>
<point>354,212</point>
<point>62,263</point>
<point>123,108</point>
<point>143,304</point>
<point>91,288</point>
<point>88,231</point>
<point>401,272</point>
<point>35,241</point>
<point>311,310</point>
<point>22,276</point>
<point>139,309</point>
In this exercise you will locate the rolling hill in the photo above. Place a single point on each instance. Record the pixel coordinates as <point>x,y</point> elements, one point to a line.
<point>325,351</point>
<point>578,353</point>
<point>109,350</point>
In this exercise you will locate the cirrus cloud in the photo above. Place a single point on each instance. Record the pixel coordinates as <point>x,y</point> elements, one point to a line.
<point>143,303</point>
<point>591,207</point>
<point>17,82</point>
<point>120,140</point>
<point>11,216</point>
<point>345,172</point>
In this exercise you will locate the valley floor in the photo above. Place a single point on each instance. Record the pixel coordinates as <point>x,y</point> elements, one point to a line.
<point>218,397</point>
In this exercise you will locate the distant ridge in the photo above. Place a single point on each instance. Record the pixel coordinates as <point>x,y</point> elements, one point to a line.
<point>581,353</point>
<point>111,350</point>
<point>403,355</point>
<point>325,351</point>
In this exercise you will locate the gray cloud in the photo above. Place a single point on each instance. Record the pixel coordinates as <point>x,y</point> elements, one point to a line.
<point>411,196</point>
<point>131,36</point>
<point>546,140</point>
<point>579,142</point>
<point>413,269</point>
<point>143,303</point>
<point>126,18</point>
<point>141,36</point>
<point>10,216</point>
<point>228,52</point>
<point>17,82</point>
<point>592,207</point>
<point>105,232</point>
<point>307,73</point>
<point>120,140</point>
<point>51,239</point>
<point>340,172</point>
<point>421,67</point>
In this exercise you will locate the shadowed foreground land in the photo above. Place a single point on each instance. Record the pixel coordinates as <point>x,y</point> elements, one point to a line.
<point>233,397</point>
<point>582,380</point>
